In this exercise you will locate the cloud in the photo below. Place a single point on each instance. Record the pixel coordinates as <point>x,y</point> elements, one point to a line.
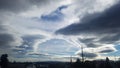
<point>33,41</point>
<point>21,5</point>
<point>8,37</point>
<point>54,16</point>
<point>22,34</point>
<point>89,42</point>
<point>107,22</point>
<point>32,38</point>
<point>57,47</point>
<point>13,5</point>
<point>106,49</point>
<point>109,39</point>
<point>19,51</point>
<point>39,54</point>
<point>88,55</point>
<point>96,30</point>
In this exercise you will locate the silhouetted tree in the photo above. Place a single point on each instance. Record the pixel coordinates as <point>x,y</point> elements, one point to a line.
<point>4,61</point>
<point>78,60</point>
<point>107,63</point>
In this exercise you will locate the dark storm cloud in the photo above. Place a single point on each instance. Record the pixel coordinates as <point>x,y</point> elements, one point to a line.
<point>98,23</point>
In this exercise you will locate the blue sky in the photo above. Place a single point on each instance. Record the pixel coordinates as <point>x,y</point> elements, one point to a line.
<point>53,30</point>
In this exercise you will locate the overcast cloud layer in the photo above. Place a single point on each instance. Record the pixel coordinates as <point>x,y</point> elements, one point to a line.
<point>51,29</point>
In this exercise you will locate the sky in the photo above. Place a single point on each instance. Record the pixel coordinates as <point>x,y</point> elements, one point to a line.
<point>54,30</point>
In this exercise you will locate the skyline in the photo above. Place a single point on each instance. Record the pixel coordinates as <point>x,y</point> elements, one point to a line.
<point>46,30</point>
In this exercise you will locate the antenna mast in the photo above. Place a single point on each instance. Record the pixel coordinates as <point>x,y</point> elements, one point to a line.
<point>82,53</point>
<point>71,59</point>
